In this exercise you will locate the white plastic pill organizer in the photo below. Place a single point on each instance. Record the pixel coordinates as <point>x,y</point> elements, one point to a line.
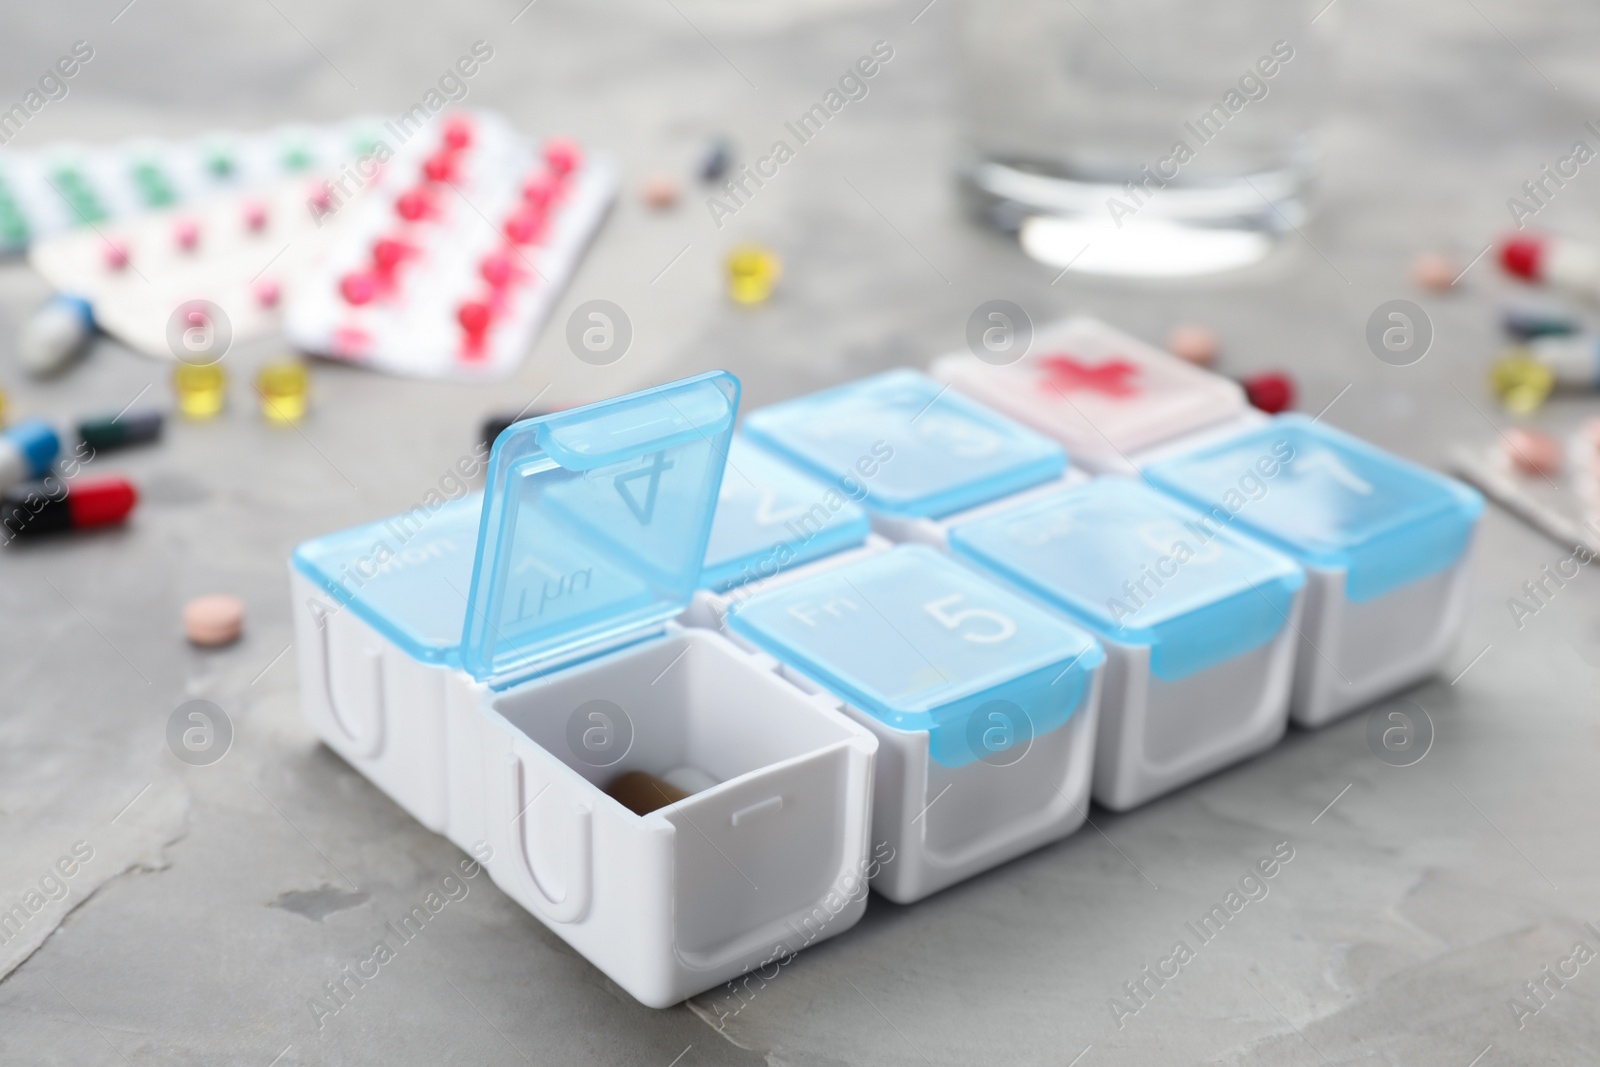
<point>1264,550</point>
<point>493,675</point>
<point>67,185</point>
<point>237,251</point>
<point>456,253</point>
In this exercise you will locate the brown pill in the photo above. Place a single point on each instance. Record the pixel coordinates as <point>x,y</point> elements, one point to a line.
<point>641,792</point>
<point>213,620</point>
<point>1434,271</point>
<point>1195,344</point>
<point>1533,451</point>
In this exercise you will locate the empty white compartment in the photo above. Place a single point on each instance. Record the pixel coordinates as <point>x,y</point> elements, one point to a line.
<point>1198,625</point>
<point>1103,394</point>
<point>1385,544</point>
<point>567,673</point>
<point>983,703</point>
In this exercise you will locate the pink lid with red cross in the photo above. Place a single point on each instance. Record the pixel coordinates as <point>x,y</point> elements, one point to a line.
<point>1103,394</point>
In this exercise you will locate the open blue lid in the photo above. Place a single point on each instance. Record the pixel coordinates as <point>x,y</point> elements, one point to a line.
<point>1329,500</point>
<point>595,524</point>
<point>918,449</point>
<point>771,516</point>
<point>1139,568</point>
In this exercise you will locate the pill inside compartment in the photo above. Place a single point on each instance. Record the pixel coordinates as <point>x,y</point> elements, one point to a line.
<point>764,776</point>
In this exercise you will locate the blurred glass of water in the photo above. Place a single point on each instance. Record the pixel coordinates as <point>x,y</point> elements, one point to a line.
<point>1153,137</point>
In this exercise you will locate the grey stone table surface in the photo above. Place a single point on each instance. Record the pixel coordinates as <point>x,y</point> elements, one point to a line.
<point>207,906</point>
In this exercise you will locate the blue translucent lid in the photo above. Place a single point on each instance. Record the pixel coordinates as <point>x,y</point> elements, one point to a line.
<point>407,576</point>
<point>1139,568</point>
<point>595,524</point>
<point>921,642</point>
<point>37,441</point>
<point>920,449</point>
<point>1330,501</point>
<point>771,516</point>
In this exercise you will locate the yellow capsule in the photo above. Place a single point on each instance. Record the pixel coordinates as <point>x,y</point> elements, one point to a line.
<point>285,390</point>
<point>201,389</point>
<point>1521,382</point>
<point>753,271</point>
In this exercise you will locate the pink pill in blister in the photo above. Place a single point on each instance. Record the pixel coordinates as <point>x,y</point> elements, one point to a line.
<point>255,216</point>
<point>268,293</point>
<point>116,255</point>
<point>320,196</point>
<point>539,190</point>
<point>186,234</point>
<point>497,269</point>
<point>562,155</point>
<point>474,317</point>
<point>525,227</point>
<point>412,205</point>
<point>358,287</point>
<point>458,133</point>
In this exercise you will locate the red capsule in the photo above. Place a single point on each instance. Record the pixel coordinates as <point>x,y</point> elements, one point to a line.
<point>32,508</point>
<point>562,155</point>
<point>358,287</point>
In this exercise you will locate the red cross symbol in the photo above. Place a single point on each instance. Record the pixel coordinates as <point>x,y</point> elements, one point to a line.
<point>1113,377</point>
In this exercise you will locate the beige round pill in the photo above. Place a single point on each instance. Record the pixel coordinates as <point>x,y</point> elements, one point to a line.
<point>659,191</point>
<point>1194,343</point>
<point>213,620</point>
<point>1434,271</point>
<point>1533,451</point>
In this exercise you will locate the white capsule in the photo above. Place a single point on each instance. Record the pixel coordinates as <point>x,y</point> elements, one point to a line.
<point>56,334</point>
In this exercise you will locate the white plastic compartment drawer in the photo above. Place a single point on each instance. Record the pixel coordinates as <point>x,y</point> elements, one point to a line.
<point>984,704</point>
<point>699,891</point>
<point>1198,625</point>
<point>1385,544</point>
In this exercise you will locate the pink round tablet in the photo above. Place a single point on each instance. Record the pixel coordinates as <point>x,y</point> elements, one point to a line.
<point>255,216</point>
<point>186,232</point>
<point>1533,452</point>
<point>213,620</point>
<point>1434,271</point>
<point>268,293</point>
<point>116,255</point>
<point>1194,343</point>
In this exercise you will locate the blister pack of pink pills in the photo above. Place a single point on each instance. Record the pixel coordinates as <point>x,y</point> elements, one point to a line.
<point>455,254</point>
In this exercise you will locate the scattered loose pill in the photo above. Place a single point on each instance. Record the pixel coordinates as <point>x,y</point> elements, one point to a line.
<point>201,389</point>
<point>285,390</point>
<point>1527,322</point>
<point>26,451</point>
<point>55,335</point>
<point>659,192</point>
<point>213,620</point>
<point>1533,452</point>
<point>1434,271</point>
<point>753,271</point>
<point>641,792</point>
<point>1270,392</point>
<point>1194,343</point>
<point>714,164</point>
<point>35,508</point>
<point>1521,382</point>
<point>108,432</point>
